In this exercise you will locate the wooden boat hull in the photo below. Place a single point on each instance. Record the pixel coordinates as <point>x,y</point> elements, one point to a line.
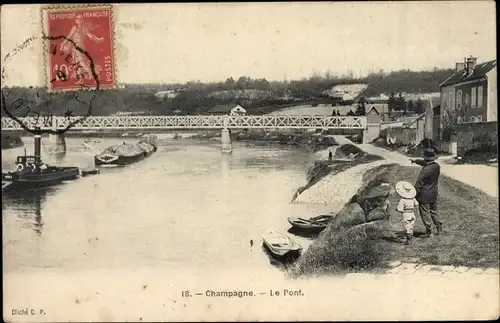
<point>20,181</point>
<point>281,246</point>
<point>120,160</point>
<point>315,224</point>
<point>290,254</point>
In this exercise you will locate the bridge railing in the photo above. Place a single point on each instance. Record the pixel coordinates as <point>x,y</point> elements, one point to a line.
<point>194,122</point>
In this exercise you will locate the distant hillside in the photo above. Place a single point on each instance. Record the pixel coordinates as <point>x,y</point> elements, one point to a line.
<point>258,96</point>
<point>406,81</point>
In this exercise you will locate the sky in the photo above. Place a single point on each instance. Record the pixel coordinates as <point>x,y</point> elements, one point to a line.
<point>175,43</point>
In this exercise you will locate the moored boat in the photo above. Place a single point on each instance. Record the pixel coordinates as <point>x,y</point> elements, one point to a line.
<point>281,245</point>
<point>31,173</point>
<point>124,154</point>
<point>317,223</point>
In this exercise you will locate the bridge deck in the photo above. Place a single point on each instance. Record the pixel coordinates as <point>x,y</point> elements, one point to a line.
<point>192,122</point>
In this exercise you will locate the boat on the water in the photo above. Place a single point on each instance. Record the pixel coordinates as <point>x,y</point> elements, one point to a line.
<point>31,173</point>
<point>124,154</point>
<point>280,245</point>
<point>317,223</point>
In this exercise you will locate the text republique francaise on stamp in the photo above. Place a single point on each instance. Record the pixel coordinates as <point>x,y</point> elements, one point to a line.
<point>78,56</point>
<point>80,41</point>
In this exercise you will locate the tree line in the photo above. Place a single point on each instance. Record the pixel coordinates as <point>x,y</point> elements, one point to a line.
<point>194,97</point>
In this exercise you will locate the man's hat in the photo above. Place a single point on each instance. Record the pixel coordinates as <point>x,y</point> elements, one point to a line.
<point>405,190</point>
<point>430,154</point>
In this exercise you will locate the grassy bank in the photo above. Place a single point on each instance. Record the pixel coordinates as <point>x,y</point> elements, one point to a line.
<point>470,236</point>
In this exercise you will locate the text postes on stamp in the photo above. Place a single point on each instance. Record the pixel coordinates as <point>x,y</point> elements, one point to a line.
<point>75,34</point>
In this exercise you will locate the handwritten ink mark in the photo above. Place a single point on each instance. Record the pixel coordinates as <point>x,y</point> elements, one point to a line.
<point>19,103</point>
<point>68,114</point>
<point>68,58</point>
<point>61,75</point>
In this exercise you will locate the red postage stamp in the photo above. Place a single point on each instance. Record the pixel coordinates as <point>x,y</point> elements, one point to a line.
<point>79,47</point>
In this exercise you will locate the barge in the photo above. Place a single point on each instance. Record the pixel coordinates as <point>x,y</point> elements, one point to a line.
<point>125,154</point>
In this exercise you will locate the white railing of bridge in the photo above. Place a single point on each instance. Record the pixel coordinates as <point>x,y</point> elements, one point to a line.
<point>193,122</point>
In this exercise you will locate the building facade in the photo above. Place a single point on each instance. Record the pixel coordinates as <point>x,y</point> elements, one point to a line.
<point>228,109</point>
<point>469,95</point>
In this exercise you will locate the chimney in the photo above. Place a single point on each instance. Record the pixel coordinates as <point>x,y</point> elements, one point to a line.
<point>471,63</point>
<point>38,147</point>
<point>460,67</point>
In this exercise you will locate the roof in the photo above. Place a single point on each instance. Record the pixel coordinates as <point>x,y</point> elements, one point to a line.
<point>373,108</point>
<point>382,108</point>
<point>223,108</point>
<point>480,71</point>
<point>411,123</point>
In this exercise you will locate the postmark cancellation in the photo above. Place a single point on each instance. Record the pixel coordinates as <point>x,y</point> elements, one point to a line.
<point>78,47</point>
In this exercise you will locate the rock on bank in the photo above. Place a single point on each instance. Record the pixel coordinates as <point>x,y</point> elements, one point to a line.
<point>337,189</point>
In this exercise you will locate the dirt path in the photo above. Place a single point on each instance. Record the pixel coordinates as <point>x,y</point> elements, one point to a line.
<point>481,177</point>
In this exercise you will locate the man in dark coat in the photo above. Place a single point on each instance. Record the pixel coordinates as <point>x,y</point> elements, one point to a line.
<point>427,191</point>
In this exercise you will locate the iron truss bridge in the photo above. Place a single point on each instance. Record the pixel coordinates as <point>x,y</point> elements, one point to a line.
<point>191,122</point>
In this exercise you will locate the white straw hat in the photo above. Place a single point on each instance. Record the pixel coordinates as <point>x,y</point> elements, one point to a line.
<point>405,190</point>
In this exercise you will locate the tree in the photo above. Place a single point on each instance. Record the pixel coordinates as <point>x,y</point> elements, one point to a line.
<point>230,83</point>
<point>262,84</point>
<point>411,107</point>
<point>419,107</point>
<point>391,103</point>
<point>400,103</point>
<point>334,113</point>
<point>350,113</point>
<point>361,108</point>
<point>242,82</point>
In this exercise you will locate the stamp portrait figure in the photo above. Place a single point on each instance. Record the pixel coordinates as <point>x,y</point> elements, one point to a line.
<point>80,44</point>
<point>79,32</point>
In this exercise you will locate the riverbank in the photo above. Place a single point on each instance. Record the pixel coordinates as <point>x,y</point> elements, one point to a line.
<point>344,157</point>
<point>11,141</point>
<point>470,236</point>
<point>312,141</point>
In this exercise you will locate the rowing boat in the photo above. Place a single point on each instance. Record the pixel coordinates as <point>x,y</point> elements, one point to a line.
<point>317,223</point>
<point>281,245</point>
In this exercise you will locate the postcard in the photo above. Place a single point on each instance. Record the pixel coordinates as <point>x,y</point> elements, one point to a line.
<point>322,161</point>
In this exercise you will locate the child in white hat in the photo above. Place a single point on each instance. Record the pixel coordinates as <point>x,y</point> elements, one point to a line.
<point>406,206</point>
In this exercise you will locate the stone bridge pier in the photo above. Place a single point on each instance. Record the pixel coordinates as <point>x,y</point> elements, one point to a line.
<point>226,144</point>
<point>56,142</point>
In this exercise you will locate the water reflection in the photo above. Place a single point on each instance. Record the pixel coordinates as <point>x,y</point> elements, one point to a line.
<point>224,165</point>
<point>29,206</point>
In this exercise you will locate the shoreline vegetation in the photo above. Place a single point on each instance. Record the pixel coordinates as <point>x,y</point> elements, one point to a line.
<point>349,244</point>
<point>11,141</point>
<point>259,96</point>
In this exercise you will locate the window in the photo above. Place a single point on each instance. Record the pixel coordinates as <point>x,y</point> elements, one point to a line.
<point>473,97</point>
<point>459,98</point>
<point>479,96</point>
<point>466,99</point>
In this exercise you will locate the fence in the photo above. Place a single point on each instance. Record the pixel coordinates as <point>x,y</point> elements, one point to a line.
<point>480,136</point>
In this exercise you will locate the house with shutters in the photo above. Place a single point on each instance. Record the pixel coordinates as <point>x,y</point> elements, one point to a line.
<point>468,108</point>
<point>470,94</point>
<point>228,109</point>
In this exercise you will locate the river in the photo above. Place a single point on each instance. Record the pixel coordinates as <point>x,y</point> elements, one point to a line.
<point>188,205</point>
